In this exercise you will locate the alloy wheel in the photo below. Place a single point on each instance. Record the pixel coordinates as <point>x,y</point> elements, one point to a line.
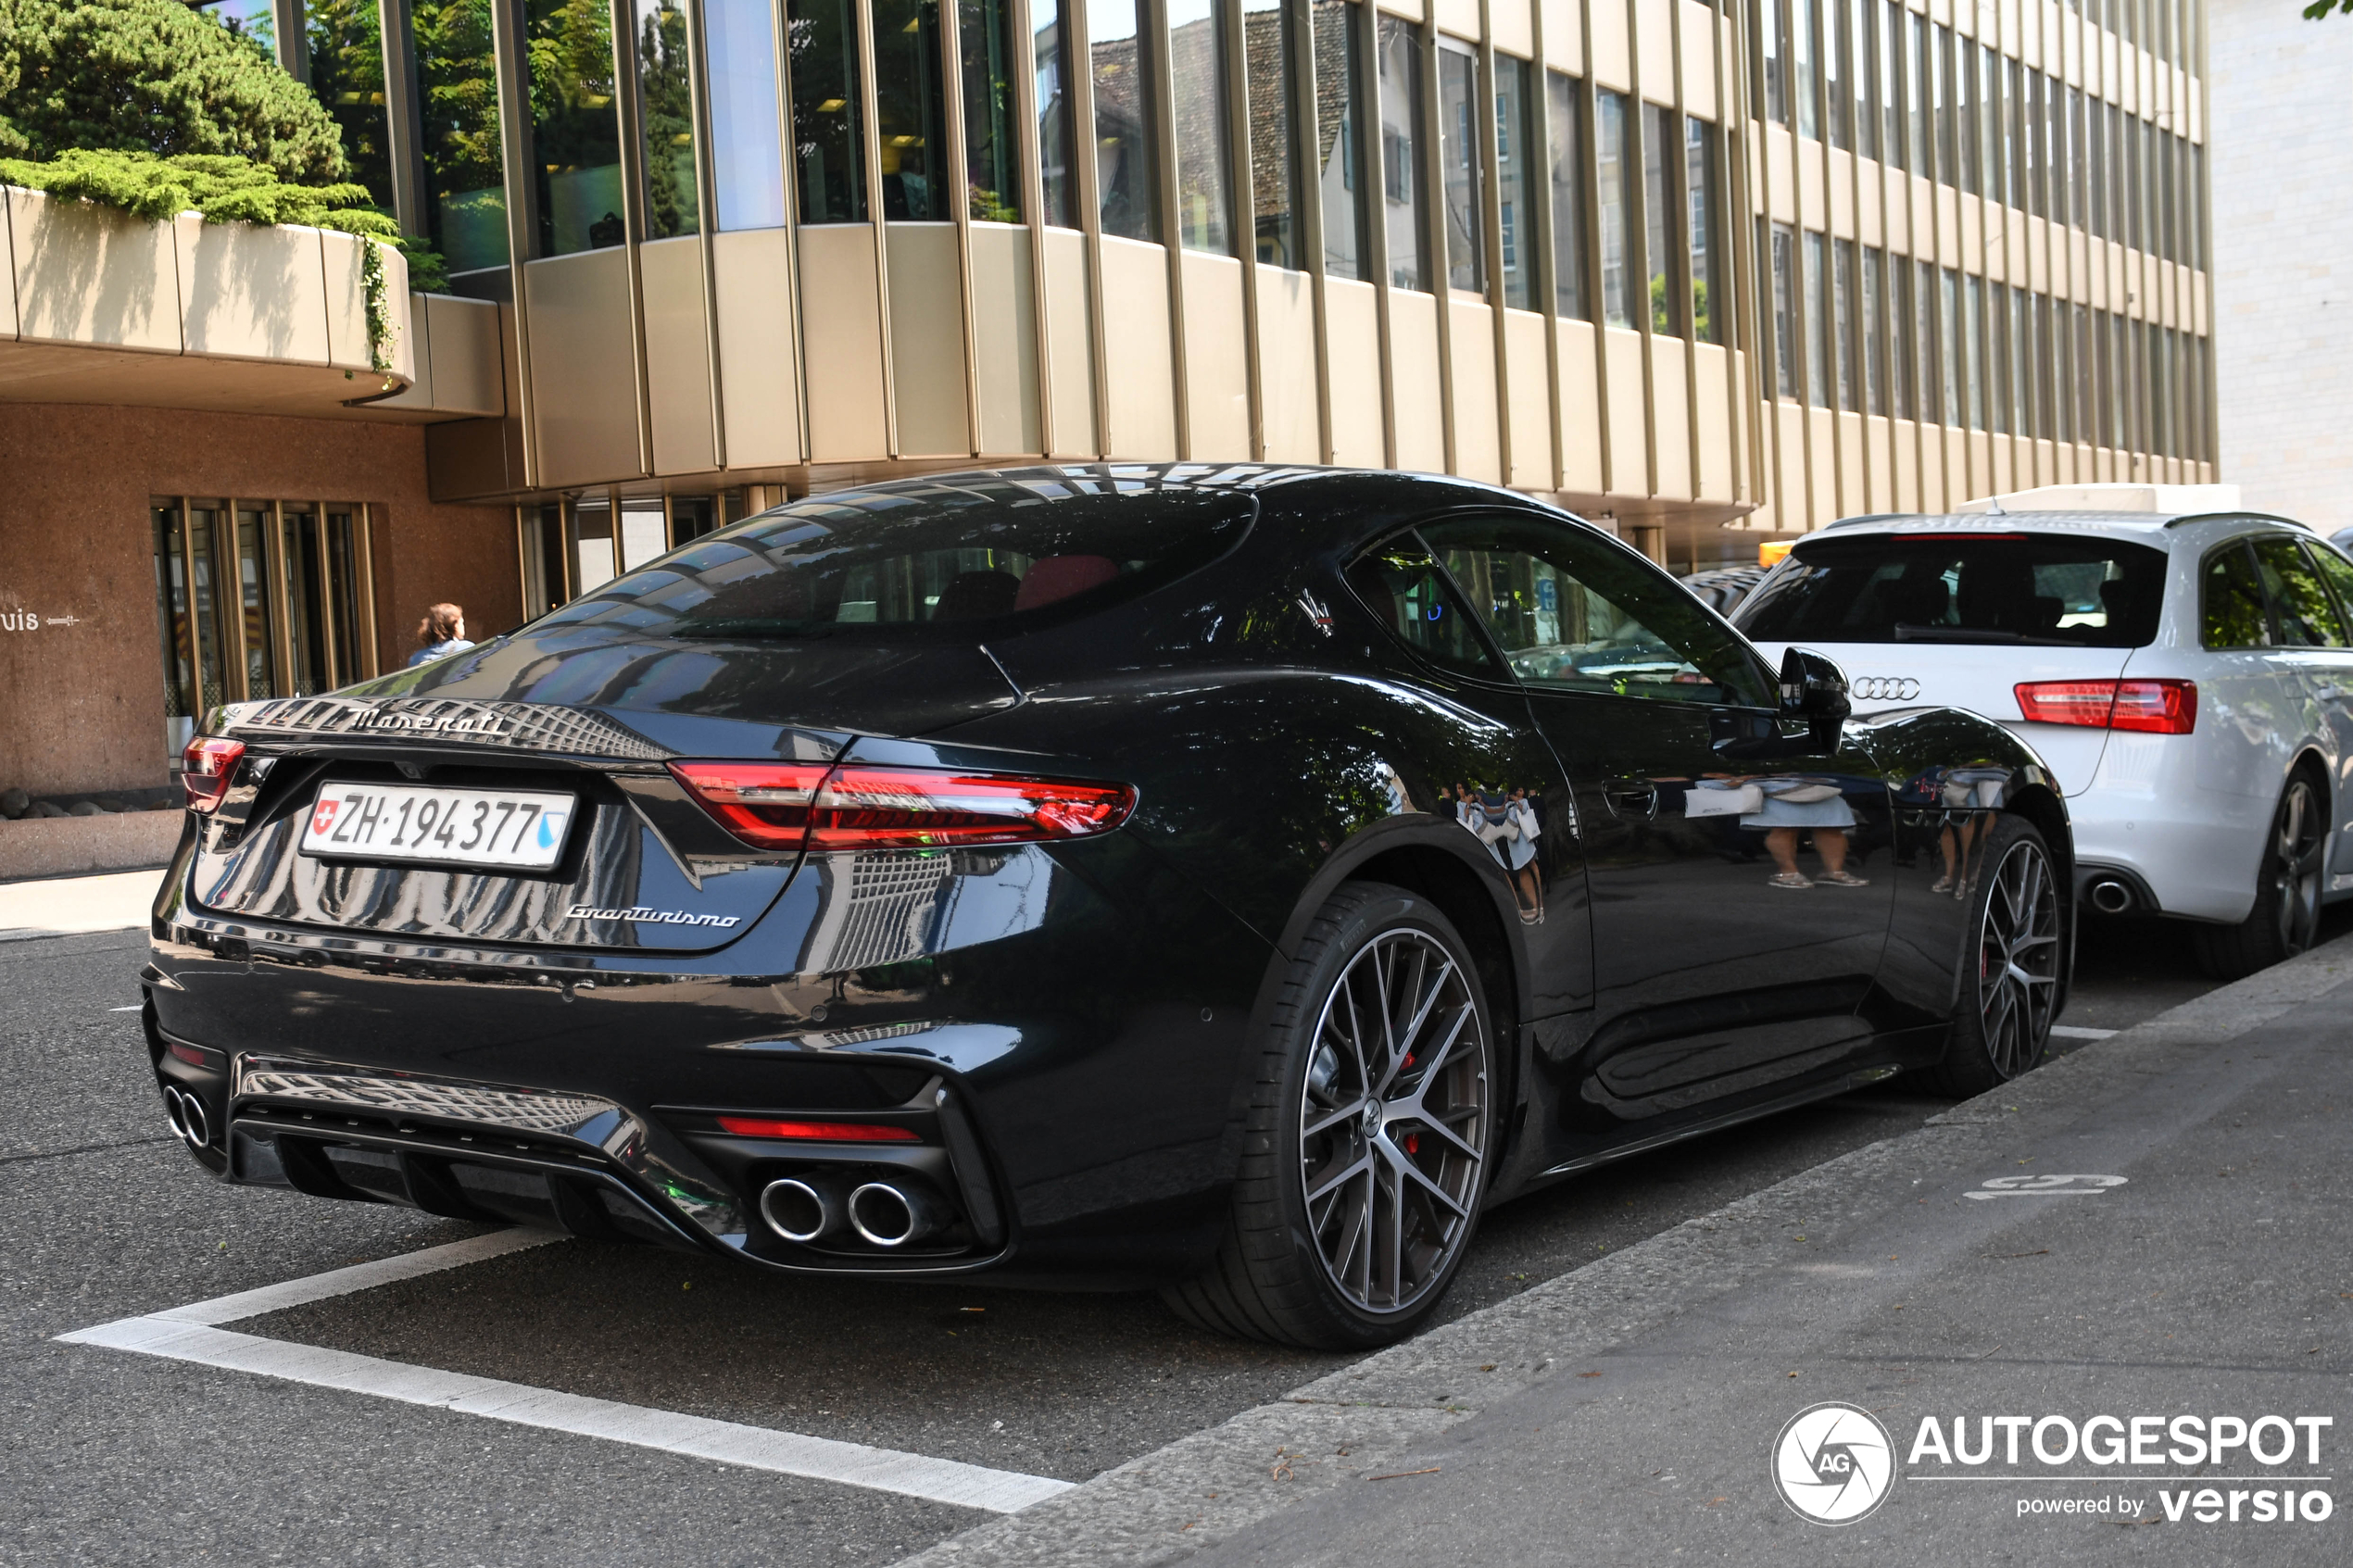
<point>2017,960</point>
<point>1393,1120</point>
<point>2294,869</point>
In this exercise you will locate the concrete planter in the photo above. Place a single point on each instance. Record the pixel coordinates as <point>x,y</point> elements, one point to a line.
<point>75,846</point>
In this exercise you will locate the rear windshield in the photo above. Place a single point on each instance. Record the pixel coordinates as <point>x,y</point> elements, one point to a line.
<point>2035,589</point>
<point>924,560</point>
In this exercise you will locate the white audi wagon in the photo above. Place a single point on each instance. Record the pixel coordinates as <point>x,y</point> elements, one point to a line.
<point>2186,671</point>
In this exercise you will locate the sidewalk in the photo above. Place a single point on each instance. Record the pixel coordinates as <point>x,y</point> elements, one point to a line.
<point>1633,1412</point>
<point>56,906</point>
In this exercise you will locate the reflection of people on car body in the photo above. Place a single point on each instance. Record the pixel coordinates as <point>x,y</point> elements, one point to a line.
<point>1528,878</point>
<point>1795,805</point>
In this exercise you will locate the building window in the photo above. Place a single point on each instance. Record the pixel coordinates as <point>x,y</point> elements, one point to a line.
<point>1458,158</point>
<point>1566,114</point>
<point>1976,385</point>
<point>1711,296</point>
<point>575,129</point>
<point>2001,362</point>
<point>1197,67</point>
<point>1918,385</point>
<point>1817,320</point>
<point>826,114</point>
<point>666,112</point>
<point>992,150</point>
<point>345,42</point>
<point>1838,74</point>
<point>458,83</point>
<point>1273,164</point>
<point>1124,178</point>
<point>1050,49</point>
<point>1768,29</point>
<point>1783,244</point>
<point>1894,94</point>
<point>1404,190</point>
<point>1920,91</point>
<point>911,114</point>
<point>1801,45</point>
<point>1874,334</point>
<point>747,151</point>
<point>1614,187</point>
<point>1951,409</point>
<point>1515,157</point>
<point>1662,215</point>
<point>1945,92</point>
<point>1849,346</point>
<point>1339,87</point>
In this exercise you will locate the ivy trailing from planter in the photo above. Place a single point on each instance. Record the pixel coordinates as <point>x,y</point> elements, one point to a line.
<point>234,190</point>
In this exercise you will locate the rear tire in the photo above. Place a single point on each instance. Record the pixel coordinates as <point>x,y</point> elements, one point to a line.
<point>2287,892</point>
<point>1365,1144</point>
<point>2013,968</point>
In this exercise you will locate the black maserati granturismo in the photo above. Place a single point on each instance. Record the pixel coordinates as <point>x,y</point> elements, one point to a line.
<point>1228,880</point>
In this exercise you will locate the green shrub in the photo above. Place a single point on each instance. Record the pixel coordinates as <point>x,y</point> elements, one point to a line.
<point>153,76</point>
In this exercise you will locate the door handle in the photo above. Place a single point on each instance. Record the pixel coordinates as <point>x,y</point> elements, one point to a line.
<point>1630,796</point>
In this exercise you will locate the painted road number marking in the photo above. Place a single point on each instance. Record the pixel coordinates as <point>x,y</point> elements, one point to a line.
<point>2045,1186</point>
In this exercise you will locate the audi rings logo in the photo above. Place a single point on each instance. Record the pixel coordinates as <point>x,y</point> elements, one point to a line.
<point>1834,1463</point>
<point>1886,688</point>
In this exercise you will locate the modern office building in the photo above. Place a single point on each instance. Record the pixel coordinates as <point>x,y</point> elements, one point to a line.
<point>2284,257</point>
<point>1706,270</point>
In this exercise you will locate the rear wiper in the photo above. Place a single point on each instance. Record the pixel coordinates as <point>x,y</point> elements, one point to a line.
<point>1978,635</point>
<point>750,626</point>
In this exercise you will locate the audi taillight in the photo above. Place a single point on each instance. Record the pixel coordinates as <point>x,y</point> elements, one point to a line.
<point>816,1131</point>
<point>2162,708</point>
<point>206,767</point>
<point>857,806</point>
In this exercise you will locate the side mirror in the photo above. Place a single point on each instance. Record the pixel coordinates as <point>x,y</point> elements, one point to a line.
<point>1814,689</point>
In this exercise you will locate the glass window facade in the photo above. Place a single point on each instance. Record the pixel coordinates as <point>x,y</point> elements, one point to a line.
<point>829,110</point>
<point>747,141</point>
<point>575,128</point>
<point>1613,190</point>
<point>1564,114</point>
<point>1268,79</point>
<point>465,183</point>
<point>345,42</point>
<point>992,117</point>
<point>1459,153</point>
<point>1663,217</point>
<point>1126,177</point>
<point>1340,78</point>
<point>1404,183</point>
<point>1050,56</point>
<point>911,114</point>
<point>666,112</point>
<point>1201,126</point>
<point>1516,174</point>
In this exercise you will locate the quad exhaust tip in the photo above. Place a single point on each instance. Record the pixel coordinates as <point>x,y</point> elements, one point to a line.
<point>186,1114</point>
<point>798,1210</point>
<point>887,1214</point>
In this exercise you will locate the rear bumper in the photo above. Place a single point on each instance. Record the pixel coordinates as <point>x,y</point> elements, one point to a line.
<point>1068,1084</point>
<point>2194,851</point>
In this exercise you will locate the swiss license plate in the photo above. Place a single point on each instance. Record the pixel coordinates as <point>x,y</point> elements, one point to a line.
<point>515,829</point>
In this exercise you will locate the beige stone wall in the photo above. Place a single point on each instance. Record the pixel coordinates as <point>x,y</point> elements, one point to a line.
<point>82,703</point>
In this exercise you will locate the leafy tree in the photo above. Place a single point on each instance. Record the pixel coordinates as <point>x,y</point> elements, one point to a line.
<point>2320,8</point>
<point>153,76</point>
<point>345,43</point>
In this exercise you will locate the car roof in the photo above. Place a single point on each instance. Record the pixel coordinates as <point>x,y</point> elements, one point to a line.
<point>2144,527</point>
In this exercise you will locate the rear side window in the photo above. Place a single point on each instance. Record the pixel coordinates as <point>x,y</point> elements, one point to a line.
<point>2300,602</point>
<point>2045,590</point>
<point>2230,600</point>
<point>914,562</point>
<point>2339,573</point>
<point>1402,585</point>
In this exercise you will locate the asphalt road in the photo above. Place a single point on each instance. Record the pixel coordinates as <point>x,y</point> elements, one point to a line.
<point>122,1459</point>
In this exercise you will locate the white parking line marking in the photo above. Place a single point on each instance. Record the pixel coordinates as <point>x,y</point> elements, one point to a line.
<point>187,1334</point>
<point>133,1008</point>
<point>2078,1031</point>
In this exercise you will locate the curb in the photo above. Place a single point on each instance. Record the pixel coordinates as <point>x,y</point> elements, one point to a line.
<point>1356,1423</point>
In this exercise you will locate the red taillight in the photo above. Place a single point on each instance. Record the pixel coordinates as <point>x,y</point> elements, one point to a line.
<point>206,769</point>
<point>2164,707</point>
<point>764,804</point>
<point>859,807</point>
<point>816,1131</point>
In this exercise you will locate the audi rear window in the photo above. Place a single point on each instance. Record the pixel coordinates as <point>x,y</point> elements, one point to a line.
<point>923,560</point>
<point>2039,590</point>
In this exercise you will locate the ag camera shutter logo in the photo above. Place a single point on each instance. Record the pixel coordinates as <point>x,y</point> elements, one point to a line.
<point>1834,1463</point>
